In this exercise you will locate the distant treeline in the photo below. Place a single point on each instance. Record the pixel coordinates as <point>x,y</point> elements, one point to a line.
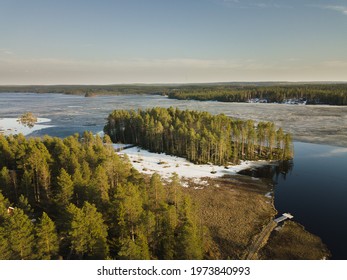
<point>331,94</point>
<point>314,93</point>
<point>199,136</point>
<point>75,198</point>
<point>89,90</point>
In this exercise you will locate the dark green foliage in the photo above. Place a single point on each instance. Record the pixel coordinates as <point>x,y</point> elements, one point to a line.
<point>188,237</point>
<point>4,204</point>
<point>332,94</point>
<point>5,253</point>
<point>65,189</point>
<point>19,231</point>
<point>24,205</point>
<point>199,136</point>
<point>88,233</point>
<point>5,182</point>
<point>47,242</point>
<point>77,199</point>
<point>134,249</point>
<point>90,90</point>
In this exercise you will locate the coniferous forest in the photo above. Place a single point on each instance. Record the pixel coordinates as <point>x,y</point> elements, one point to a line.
<point>332,94</point>
<point>75,198</point>
<point>199,136</point>
<point>313,93</point>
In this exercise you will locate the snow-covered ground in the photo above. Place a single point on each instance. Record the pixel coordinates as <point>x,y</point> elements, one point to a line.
<point>166,165</point>
<point>12,126</point>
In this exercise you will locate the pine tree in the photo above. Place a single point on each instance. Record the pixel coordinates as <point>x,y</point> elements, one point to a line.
<point>88,233</point>
<point>188,245</point>
<point>5,183</point>
<point>35,162</point>
<point>19,230</point>
<point>27,187</point>
<point>99,186</point>
<point>288,147</point>
<point>167,244</point>
<point>6,154</point>
<point>65,188</point>
<point>175,191</point>
<point>134,250</point>
<point>133,208</point>
<point>156,192</point>
<point>79,188</point>
<point>5,253</point>
<point>47,243</point>
<point>24,205</point>
<point>4,204</point>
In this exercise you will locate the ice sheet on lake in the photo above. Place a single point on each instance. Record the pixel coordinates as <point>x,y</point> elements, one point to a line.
<point>12,126</point>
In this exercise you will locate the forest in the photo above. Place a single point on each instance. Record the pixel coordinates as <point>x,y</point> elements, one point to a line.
<point>314,93</point>
<point>90,90</point>
<point>75,198</point>
<point>199,136</point>
<point>330,94</point>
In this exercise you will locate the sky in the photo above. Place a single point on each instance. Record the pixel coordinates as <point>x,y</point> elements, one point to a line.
<point>171,41</point>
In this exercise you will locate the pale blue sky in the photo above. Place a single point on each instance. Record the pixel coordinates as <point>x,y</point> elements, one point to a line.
<point>162,41</point>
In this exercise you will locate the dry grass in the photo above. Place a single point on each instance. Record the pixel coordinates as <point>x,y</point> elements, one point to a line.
<point>293,242</point>
<point>235,211</point>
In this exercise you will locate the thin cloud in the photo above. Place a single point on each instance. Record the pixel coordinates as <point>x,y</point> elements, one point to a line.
<point>249,4</point>
<point>6,51</point>
<point>336,63</point>
<point>337,8</point>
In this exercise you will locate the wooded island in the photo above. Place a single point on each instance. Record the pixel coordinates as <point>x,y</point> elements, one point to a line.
<point>199,136</point>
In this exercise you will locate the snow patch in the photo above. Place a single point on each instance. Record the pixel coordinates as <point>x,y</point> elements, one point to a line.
<point>165,165</point>
<point>268,195</point>
<point>12,126</point>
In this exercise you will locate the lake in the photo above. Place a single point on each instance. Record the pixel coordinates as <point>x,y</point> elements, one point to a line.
<point>315,192</point>
<point>313,188</point>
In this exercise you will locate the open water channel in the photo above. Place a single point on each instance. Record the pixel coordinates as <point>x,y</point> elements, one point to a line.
<point>313,189</point>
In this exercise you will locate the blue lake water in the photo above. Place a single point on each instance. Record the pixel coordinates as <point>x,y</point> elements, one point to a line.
<point>314,190</point>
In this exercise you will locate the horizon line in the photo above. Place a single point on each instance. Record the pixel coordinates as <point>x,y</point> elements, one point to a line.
<point>178,83</point>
